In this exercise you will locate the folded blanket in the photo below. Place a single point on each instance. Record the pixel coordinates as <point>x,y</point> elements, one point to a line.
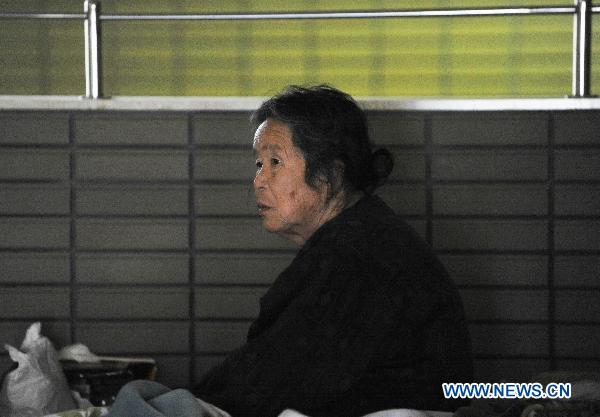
<point>82,412</point>
<point>401,412</point>
<point>150,399</point>
<point>145,398</point>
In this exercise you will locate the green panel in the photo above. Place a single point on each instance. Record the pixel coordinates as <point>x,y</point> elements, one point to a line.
<point>480,56</point>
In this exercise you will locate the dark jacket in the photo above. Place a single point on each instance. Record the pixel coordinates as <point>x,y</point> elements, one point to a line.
<point>365,318</point>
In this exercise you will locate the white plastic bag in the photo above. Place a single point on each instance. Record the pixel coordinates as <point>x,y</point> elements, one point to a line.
<point>38,386</point>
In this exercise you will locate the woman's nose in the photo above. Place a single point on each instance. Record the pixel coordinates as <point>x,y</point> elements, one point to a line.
<point>259,180</point>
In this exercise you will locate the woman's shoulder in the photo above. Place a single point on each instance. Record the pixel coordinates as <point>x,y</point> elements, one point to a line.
<point>373,238</point>
<point>368,226</point>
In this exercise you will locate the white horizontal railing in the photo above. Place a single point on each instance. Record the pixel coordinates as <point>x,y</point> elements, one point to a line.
<point>248,104</point>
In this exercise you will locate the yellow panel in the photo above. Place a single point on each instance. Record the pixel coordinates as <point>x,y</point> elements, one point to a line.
<point>482,56</point>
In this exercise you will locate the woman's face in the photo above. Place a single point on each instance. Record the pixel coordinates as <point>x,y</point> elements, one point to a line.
<point>287,205</point>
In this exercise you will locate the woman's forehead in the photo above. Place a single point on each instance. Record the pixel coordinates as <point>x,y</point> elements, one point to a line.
<point>264,146</point>
<point>272,135</point>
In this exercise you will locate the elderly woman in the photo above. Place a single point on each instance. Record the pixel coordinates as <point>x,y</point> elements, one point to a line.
<point>365,317</point>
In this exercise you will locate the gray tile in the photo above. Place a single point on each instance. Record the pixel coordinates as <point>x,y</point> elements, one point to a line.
<point>489,165</point>
<point>34,128</point>
<point>509,339</point>
<point>26,267</point>
<point>486,128</point>
<point>497,269</point>
<point>577,341</point>
<point>576,127</point>
<point>408,165</point>
<point>514,305</point>
<point>28,199</point>
<point>395,128</point>
<point>137,337</point>
<point>34,303</point>
<point>229,164</point>
<point>577,200</point>
<point>407,200</point>
<point>13,333</point>
<point>130,129</point>
<point>220,337</point>
<point>240,268</point>
<point>490,234</point>
<point>34,164</point>
<point>132,234</point>
<point>223,128</point>
<point>34,233</point>
<point>143,268</point>
<point>133,303</point>
<point>223,200</point>
<point>146,200</point>
<point>132,165</point>
<point>577,234</point>
<point>237,234</point>
<point>228,303</point>
<point>586,367</point>
<point>577,270</point>
<point>580,164</point>
<point>509,370</point>
<point>490,200</point>
<point>578,306</point>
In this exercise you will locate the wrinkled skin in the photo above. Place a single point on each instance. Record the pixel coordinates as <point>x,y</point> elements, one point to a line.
<point>288,206</point>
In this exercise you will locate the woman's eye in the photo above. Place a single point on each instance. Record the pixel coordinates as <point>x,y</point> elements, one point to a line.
<point>259,164</point>
<point>275,161</point>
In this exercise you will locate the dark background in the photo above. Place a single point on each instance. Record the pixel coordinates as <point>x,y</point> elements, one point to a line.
<point>135,232</point>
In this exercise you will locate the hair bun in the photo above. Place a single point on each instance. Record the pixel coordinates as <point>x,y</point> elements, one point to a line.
<point>382,164</point>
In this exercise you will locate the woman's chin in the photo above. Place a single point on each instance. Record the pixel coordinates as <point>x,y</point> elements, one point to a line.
<point>270,226</point>
<point>277,228</point>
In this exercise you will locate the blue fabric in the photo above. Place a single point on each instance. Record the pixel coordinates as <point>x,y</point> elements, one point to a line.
<point>150,399</point>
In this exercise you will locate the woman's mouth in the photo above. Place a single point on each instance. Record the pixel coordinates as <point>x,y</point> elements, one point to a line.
<point>262,208</point>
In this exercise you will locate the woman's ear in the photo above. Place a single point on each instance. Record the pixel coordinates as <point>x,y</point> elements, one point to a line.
<point>337,183</point>
<point>338,168</point>
<point>332,187</point>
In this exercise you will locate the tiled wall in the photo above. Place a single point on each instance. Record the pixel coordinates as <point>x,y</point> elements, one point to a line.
<point>135,233</point>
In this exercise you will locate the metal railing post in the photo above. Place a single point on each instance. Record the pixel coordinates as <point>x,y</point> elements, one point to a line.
<point>582,31</point>
<point>93,69</point>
